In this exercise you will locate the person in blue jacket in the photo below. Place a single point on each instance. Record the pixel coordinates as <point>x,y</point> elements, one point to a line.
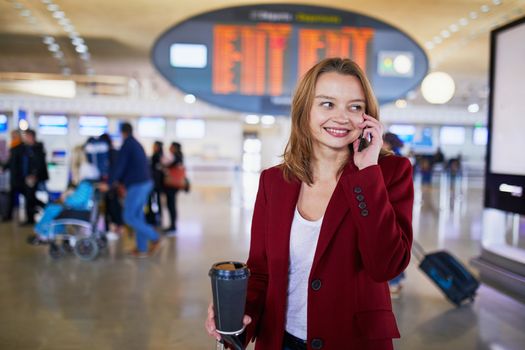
<point>132,170</point>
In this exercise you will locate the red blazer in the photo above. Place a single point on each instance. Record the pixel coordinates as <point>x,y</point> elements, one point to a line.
<point>365,241</point>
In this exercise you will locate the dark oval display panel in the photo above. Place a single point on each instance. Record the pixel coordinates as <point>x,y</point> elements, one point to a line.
<point>249,58</point>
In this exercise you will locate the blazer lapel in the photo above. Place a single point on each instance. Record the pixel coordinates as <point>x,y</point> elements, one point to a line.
<point>282,223</point>
<point>335,213</point>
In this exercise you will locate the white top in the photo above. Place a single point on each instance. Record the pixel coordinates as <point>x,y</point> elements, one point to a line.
<point>303,241</point>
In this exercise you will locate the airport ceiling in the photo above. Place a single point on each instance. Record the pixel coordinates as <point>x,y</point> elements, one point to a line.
<point>119,34</point>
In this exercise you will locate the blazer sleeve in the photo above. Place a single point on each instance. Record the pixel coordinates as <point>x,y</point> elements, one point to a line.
<point>383,214</point>
<point>257,262</point>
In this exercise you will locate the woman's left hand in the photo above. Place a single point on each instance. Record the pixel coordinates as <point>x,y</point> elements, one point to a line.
<point>372,130</point>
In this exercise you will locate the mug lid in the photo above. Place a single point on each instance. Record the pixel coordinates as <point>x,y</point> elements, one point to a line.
<point>229,269</point>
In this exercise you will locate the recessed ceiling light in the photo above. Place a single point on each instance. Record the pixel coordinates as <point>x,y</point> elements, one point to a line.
<point>437,40</point>
<point>81,48</point>
<point>473,15</point>
<point>53,7</point>
<point>189,98</point>
<point>445,34</point>
<point>429,45</point>
<point>251,119</point>
<point>53,47</point>
<point>453,28</point>
<point>268,119</point>
<point>48,40</point>
<point>77,41</point>
<point>473,108</point>
<point>463,21</point>
<point>485,8</point>
<point>58,14</point>
<point>401,103</point>
<point>496,2</point>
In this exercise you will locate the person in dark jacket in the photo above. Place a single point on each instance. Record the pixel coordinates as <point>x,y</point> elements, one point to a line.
<point>14,185</point>
<point>113,214</point>
<point>132,171</point>
<point>28,170</point>
<point>171,192</point>
<point>154,215</point>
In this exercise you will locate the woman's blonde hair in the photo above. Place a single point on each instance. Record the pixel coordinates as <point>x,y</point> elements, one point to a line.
<point>298,153</point>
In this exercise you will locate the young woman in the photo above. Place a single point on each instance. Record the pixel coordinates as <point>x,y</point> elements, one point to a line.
<point>331,225</point>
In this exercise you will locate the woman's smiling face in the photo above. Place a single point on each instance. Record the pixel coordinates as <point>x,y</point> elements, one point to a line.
<point>337,109</point>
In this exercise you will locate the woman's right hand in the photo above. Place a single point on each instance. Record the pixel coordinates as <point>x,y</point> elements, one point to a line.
<point>210,323</point>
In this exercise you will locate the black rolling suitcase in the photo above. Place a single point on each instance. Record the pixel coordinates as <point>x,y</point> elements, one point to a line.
<point>454,280</point>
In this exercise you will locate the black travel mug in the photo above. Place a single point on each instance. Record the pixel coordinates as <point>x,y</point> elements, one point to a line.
<point>229,283</point>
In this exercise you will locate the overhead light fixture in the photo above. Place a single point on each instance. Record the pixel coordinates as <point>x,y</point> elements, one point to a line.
<point>429,45</point>
<point>401,103</point>
<point>81,48</point>
<point>252,119</point>
<point>268,119</point>
<point>53,47</point>
<point>48,40</point>
<point>438,88</point>
<point>189,98</point>
<point>23,125</point>
<point>473,108</point>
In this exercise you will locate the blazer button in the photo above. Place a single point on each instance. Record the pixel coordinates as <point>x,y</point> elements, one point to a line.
<point>360,197</point>
<point>316,284</point>
<point>317,343</point>
<point>362,205</point>
<point>364,212</point>
<point>358,189</point>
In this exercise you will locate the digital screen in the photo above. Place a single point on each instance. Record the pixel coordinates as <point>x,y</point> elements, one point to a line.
<point>480,136</point>
<point>52,124</point>
<point>249,58</point>
<point>404,132</point>
<point>152,127</point>
<point>3,123</point>
<point>508,108</point>
<point>190,128</point>
<point>452,135</point>
<point>92,125</point>
<point>188,55</point>
<point>423,138</point>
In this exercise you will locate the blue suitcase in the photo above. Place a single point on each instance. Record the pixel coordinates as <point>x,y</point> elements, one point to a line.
<point>448,273</point>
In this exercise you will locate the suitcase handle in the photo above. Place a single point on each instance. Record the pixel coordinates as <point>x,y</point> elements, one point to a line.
<point>418,251</point>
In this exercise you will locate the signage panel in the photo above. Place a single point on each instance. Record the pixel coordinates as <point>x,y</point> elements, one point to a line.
<point>249,58</point>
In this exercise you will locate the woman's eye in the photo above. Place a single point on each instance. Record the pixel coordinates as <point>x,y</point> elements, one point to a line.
<point>327,104</point>
<point>356,108</point>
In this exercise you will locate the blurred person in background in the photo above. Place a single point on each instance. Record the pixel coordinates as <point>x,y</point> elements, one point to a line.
<point>29,170</point>
<point>15,187</point>
<point>393,143</point>
<point>113,206</point>
<point>176,158</point>
<point>132,171</point>
<point>154,215</point>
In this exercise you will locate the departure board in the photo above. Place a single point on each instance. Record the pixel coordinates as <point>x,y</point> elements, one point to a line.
<point>250,58</point>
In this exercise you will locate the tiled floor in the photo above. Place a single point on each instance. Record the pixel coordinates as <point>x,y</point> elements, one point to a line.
<point>116,302</point>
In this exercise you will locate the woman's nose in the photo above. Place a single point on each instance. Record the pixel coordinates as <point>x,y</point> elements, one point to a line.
<point>342,117</point>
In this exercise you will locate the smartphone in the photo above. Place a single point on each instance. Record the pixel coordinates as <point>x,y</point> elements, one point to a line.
<point>363,142</point>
